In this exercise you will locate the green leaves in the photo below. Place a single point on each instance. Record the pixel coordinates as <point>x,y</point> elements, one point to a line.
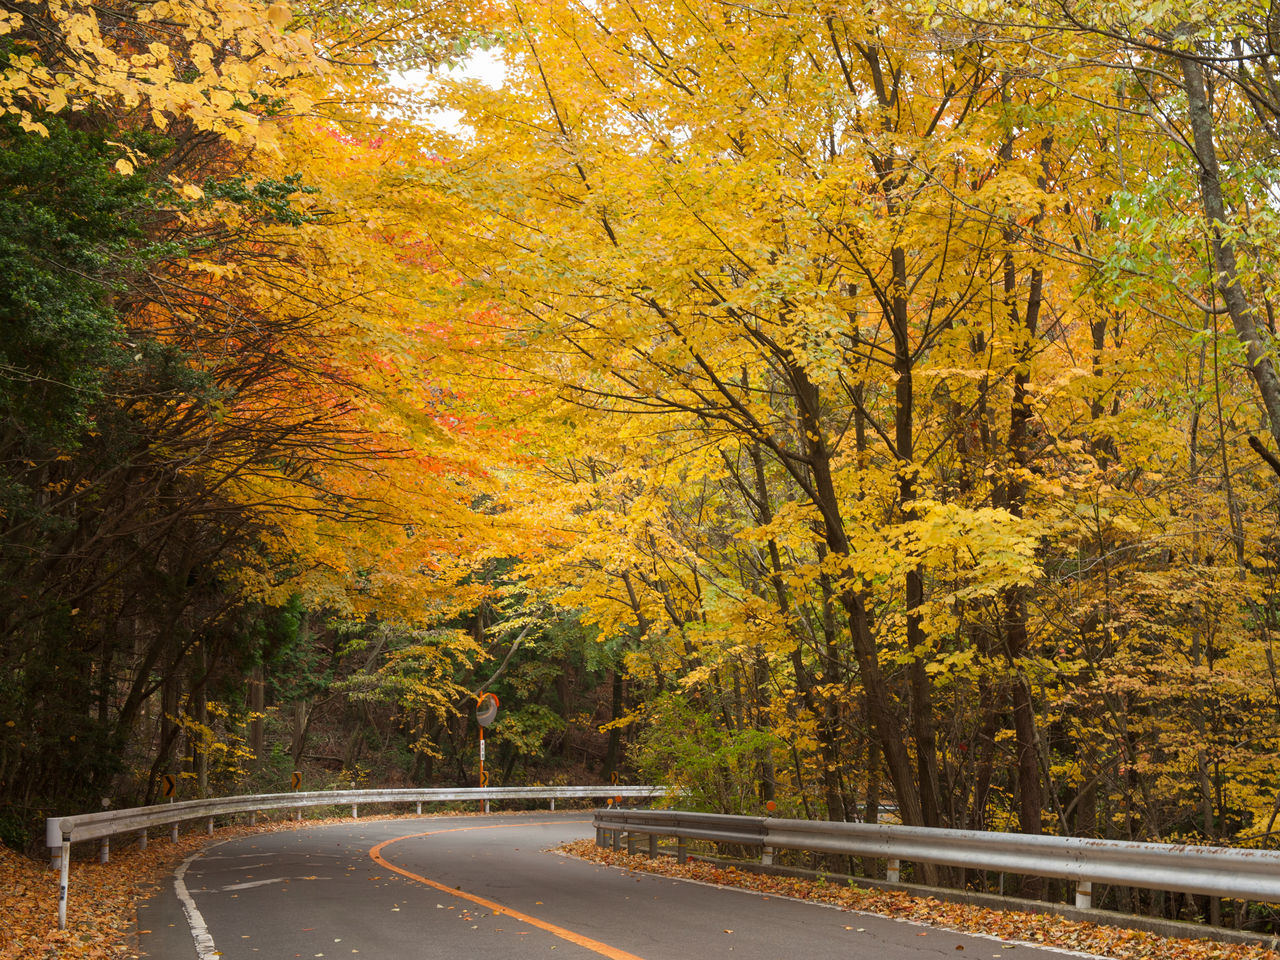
<point>69,229</point>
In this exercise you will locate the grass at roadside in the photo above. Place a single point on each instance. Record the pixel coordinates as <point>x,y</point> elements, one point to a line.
<point>1006,924</point>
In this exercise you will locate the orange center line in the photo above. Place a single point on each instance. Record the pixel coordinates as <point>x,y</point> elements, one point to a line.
<point>613,953</point>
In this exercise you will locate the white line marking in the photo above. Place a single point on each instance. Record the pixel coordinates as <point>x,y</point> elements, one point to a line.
<point>205,949</point>
<point>262,883</point>
<point>253,883</point>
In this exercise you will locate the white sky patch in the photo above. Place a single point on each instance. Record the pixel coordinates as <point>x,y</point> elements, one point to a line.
<point>487,66</point>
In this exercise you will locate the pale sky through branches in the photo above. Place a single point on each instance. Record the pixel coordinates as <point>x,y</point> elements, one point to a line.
<point>483,65</point>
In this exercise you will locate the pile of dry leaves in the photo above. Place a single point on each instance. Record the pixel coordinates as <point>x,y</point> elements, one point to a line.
<point>101,906</point>
<point>1011,925</point>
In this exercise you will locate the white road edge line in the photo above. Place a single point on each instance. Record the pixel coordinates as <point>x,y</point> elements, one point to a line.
<point>205,950</point>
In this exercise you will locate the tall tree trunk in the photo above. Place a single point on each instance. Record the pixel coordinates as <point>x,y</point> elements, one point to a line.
<point>615,713</point>
<point>806,683</point>
<point>1030,798</point>
<point>882,707</point>
<point>1024,326</point>
<point>200,715</point>
<point>300,727</point>
<point>922,719</point>
<point>1200,120</point>
<point>257,707</point>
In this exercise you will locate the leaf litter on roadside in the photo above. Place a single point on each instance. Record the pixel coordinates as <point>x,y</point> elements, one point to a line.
<point>103,898</point>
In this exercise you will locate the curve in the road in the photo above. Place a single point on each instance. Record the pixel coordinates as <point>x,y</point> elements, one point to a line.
<point>368,889</point>
<point>595,946</point>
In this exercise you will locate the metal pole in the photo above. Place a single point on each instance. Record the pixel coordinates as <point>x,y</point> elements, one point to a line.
<point>65,874</point>
<point>482,779</point>
<point>1084,894</point>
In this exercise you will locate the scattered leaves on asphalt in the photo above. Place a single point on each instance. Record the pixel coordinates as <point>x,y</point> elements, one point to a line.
<point>1037,928</point>
<point>102,900</point>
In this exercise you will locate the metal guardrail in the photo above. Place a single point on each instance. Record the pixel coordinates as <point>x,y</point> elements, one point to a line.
<point>61,832</point>
<point>1216,871</point>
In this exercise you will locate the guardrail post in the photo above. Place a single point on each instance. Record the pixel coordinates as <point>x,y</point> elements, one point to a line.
<point>893,871</point>
<point>253,818</point>
<point>297,814</point>
<point>653,846</point>
<point>173,832</point>
<point>209,827</point>
<point>419,808</point>
<point>104,850</point>
<point>1084,894</point>
<point>616,839</point>
<point>142,839</point>
<point>553,804</point>
<point>355,811</point>
<point>631,844</point>
<point>766,856</point>
<point>600,841</point>
<point>682,850</point>
<point>64,880</point>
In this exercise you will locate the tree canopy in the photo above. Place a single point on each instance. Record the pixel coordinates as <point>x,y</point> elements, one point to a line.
<point>841,407</point>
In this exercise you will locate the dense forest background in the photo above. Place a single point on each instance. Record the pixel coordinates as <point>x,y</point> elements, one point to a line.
<point>850,408</point>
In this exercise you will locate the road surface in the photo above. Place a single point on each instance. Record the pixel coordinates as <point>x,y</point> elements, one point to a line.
<point>486,887</point>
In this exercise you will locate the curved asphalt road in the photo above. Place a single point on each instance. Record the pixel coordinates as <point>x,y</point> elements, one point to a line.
<point>485,887</point>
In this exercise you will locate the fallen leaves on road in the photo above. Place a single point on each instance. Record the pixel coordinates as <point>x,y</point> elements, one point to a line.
<point>102,903</point>
<point>1007,925</point>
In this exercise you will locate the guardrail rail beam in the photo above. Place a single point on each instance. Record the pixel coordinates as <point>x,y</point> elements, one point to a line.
<point>1238,873</point>
<point>61,832</point>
